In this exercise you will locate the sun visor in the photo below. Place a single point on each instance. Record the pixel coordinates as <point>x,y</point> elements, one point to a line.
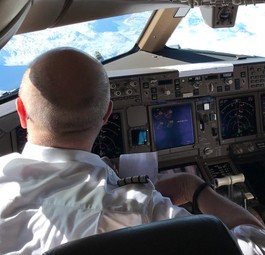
<point>43,14</point>
<point>11,18</point>
<point>84,10</point>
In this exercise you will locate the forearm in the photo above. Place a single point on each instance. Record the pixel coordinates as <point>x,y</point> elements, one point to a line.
<point>182,187</point>
<point>210,202</point>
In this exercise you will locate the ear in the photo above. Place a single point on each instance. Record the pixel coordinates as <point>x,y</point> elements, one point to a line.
<point>108,113</point>
<point>21,112</point>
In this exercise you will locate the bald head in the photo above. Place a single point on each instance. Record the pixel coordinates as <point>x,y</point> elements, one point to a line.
<point>65,91</point>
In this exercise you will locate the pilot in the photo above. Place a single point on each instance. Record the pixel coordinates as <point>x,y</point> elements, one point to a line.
<point>56,190</point>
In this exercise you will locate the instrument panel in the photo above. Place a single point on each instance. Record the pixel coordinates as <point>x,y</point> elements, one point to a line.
<point>206,120</point>
<point>204,113</point>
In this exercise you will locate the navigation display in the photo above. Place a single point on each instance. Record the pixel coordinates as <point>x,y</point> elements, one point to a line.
<point>238,117</point>
<point>110,139</point>
<point>172,126</point>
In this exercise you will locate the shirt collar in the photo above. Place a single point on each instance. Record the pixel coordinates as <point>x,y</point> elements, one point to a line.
<point>52,155</point>
<point>59,155</point>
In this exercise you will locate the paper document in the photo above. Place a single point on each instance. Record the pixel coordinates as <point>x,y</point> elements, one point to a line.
<point>145,163</point>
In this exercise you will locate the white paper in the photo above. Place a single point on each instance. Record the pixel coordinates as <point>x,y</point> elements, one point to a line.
<point>145,163</point>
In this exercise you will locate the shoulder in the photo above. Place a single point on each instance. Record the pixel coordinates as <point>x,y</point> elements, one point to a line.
<point>6,161</point>
<point>7,158</point>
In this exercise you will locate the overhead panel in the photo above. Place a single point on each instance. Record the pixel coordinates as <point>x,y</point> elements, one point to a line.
<point>83,10</point>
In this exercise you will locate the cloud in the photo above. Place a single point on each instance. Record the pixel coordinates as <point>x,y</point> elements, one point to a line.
<point>244,38</point>
<point>22,49</point>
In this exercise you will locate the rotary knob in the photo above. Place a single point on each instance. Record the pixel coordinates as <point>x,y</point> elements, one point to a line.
<point>167,92</point>
<point>228,81</point>
<point>207,151</point>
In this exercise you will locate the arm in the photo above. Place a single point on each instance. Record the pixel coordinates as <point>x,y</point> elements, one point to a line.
<point>182,187</point>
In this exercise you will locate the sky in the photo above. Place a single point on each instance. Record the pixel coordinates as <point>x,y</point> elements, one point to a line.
<point>246,37</point>
<point>115,36</point>
<point>89,36</point>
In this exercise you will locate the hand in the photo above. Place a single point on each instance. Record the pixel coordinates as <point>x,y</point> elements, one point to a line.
<point>180,187</point>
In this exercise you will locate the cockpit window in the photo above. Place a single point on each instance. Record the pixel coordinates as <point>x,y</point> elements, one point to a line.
<point>103,39</point>
<point>244,38</point>
<point>111,37</point>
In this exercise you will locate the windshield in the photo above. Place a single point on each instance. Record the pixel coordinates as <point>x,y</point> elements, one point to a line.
<point>103,39</point>
<point>111,37</point>
<point>246,37</point>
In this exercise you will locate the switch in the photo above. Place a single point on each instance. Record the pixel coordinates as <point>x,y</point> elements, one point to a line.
<point>167,92</point>
<point>212,116</point>
<point>214,131</point>
<point>202,125</point>
<point>206,106</point>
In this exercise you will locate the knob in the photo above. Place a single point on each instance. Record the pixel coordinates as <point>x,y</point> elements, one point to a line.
<point>207,150</point>
<point>112,85</point>
<point>128,92</point>
<point>251,148</point>
<point>153,82</point>
<point>228,81</point>
<point>167,92</point>
<point>239,178</point>
<point>224,181</point>
<point>196,84</point>
<point>133,83</point>
<point>117,93</point>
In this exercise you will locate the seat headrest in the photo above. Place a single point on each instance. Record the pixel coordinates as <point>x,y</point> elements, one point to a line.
<point>196,234</point>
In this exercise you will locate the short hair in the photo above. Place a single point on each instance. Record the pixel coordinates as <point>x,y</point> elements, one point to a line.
<point>51,110</point>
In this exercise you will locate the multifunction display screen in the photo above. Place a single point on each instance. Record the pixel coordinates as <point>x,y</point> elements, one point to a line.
<point>110,139</point>
<point>237,117</point>
<point>172,126</point>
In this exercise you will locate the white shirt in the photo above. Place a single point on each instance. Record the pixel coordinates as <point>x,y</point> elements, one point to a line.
<point>50,196</point>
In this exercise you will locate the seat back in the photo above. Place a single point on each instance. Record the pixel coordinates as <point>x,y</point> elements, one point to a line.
<point>196,234</point>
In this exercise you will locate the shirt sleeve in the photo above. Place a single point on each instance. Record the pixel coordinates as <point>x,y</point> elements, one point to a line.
<point>251,239</point>
<point>164,209</point>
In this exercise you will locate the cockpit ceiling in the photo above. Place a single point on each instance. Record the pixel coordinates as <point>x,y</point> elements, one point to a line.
<point>42,14</point>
